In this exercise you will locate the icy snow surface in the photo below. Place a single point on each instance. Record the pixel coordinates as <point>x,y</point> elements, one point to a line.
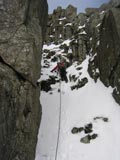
<point>79,107</point>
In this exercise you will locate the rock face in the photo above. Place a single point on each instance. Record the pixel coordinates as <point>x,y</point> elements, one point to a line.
<point>109,49</point>
<point>116,3</point>
<point>106,50</point>
<point>57,20</point>
<point>109,64</point>
<point>22,30</point>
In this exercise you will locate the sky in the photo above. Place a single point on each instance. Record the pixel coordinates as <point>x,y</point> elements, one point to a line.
<point>80,4</point>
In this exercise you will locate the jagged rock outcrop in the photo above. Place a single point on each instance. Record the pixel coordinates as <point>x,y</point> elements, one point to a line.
<point>22,30</point>
<point>65,24</point>
<point>109,48</point>
<point>106,50</point>
<point>109,51</point>
<point>56,21</point>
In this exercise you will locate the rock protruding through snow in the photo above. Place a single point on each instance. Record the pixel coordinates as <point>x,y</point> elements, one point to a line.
<point>88,129</point>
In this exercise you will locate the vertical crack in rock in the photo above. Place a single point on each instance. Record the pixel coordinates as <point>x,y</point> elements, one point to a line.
<point>27,13</point>
<point>19,75</point>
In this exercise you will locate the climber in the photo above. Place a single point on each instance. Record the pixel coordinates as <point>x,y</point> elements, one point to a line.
<point>60,67</point>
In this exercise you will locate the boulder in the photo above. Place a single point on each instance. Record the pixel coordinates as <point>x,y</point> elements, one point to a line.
<point>80,83</point>
<point>88,138</point>
<point>85,139</point>
<point>77,130</point>
<point>88,128</point>
<point>46,84</point>
<point>94,136</point>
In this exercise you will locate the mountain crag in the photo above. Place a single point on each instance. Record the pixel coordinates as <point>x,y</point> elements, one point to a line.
<point>95,33</point>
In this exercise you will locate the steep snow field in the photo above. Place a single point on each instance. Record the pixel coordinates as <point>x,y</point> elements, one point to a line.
<point>79,107</point>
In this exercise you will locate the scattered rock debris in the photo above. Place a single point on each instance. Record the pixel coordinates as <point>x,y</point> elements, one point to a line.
<point>88,129</point>
<point>77,130</point>
<point>46,84</point>
<point>80,84</point>
<point>78,68</point>
<point>105,119</point>
<point>87,138</point>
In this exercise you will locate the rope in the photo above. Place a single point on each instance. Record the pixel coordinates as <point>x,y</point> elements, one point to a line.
<point>58,138</point>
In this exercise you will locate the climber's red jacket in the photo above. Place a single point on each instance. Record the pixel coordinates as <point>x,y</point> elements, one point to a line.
<point>58,66</point>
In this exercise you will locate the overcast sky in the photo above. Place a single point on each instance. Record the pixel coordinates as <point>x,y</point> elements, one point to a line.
<point>80,4</point>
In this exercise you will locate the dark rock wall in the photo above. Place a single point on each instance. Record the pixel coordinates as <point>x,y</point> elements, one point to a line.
<point>109,48</point>
<point>109,51</point>
<point>116,3</point>
<point>106,53</point>
<point>22,30</point>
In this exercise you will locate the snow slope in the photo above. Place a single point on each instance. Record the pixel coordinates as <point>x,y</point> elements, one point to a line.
<point>79,107</point>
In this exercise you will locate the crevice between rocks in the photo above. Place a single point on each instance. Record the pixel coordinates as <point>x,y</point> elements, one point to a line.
<point>19,75</point>
<point>111,75</point>
<point>26,20</point>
